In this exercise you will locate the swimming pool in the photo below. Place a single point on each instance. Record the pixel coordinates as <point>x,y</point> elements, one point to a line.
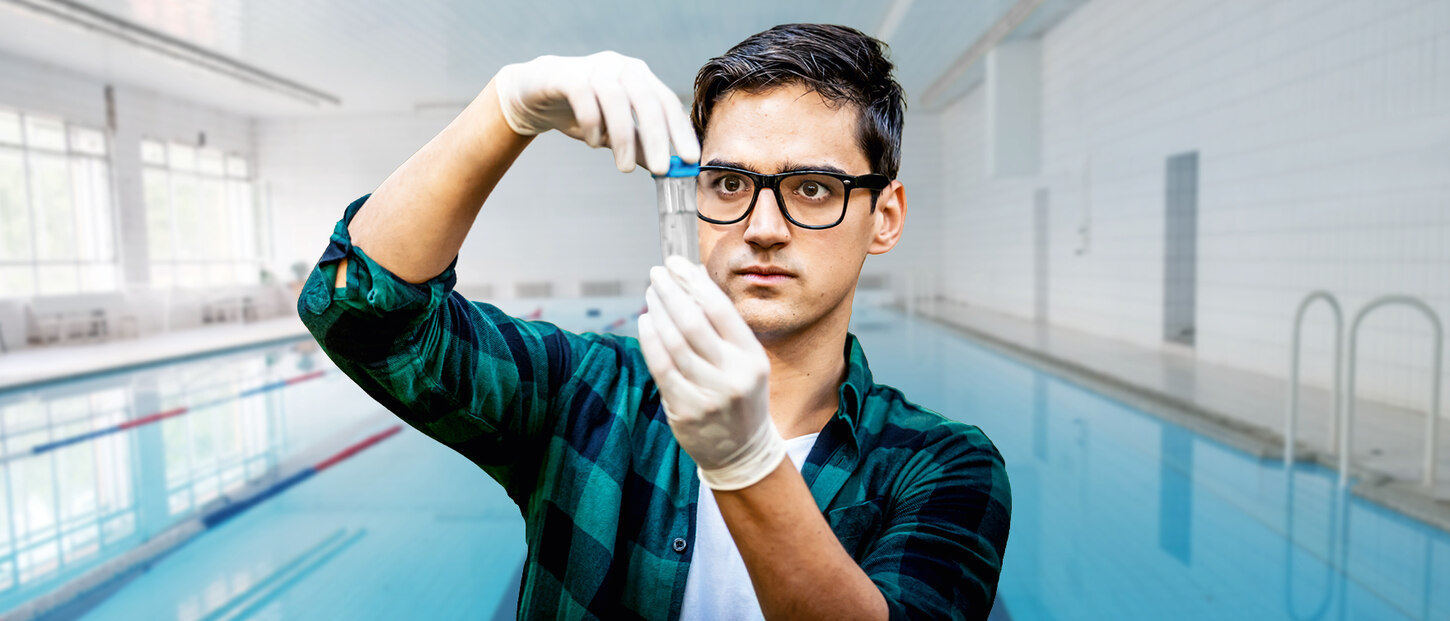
<point>1116,513</point>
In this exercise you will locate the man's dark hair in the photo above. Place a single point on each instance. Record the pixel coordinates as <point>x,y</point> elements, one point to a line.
<point>843,64</point>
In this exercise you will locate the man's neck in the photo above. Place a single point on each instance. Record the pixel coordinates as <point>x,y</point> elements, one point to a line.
<point>806,371</point>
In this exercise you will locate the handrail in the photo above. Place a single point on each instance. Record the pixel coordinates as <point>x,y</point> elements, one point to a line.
<point>1291,412</point>
<point>1431,421</point>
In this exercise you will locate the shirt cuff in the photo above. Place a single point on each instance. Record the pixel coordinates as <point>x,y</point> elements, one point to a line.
<point>371,289</point>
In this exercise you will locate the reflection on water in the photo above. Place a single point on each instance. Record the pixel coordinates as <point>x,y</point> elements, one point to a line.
<point>76,491</point>
<point>1175,493</point>
<point>1311,584</point>
<point>60,508</point>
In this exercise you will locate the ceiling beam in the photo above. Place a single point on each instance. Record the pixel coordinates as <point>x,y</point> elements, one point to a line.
<point>937,95</point>
<point>894,16</point>
<point>105,24</point>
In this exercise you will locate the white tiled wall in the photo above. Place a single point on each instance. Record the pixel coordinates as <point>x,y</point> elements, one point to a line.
<point>915,255</point>
<point>1323,132</point>
<point>986,224</point>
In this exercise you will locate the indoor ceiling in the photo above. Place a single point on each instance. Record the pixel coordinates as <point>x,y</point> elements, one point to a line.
<point>389,56</point>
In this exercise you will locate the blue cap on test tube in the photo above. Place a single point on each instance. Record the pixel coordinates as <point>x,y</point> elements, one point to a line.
<point>678,168</point>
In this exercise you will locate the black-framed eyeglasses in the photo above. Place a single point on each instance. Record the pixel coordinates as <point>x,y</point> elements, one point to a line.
<point>810,199</point>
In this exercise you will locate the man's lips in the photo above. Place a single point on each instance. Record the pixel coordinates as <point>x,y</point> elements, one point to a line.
<point>765,279</point>
<point>764,274</point>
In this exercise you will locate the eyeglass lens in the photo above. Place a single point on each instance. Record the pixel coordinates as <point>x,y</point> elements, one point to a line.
<point>810,199</point>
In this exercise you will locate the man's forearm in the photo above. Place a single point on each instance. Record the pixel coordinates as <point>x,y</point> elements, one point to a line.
<point>798,567</point>
<point>415,222</point>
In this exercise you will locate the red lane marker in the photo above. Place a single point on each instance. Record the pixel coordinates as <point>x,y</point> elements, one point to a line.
<point>352,450</point>
<point>152,418</point>
<point>305,377</point>
<point>158,416</point>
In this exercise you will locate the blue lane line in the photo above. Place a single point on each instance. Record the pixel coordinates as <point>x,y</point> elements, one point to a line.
<point>91,435</point>
<point>139,557</point>
<point>50,446</point>
<point>508,604</point>
<point>263,388</point>
<point>299,575</point>
<point>230,511</point>
<point>276,575</point>
<point>999,610</point>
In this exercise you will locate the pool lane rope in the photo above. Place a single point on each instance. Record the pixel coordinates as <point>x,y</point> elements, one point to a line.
<point>156,417</point>
<point>619,323</point>
<point>171,539</point>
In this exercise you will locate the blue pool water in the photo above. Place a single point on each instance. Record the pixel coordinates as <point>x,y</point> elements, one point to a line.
<point>1120,515</point>
<point>1116,514</point>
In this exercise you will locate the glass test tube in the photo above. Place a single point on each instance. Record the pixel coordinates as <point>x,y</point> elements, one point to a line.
<point>679,223</point>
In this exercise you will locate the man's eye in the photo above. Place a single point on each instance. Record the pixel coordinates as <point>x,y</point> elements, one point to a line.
<point>811,189</point>
<point>732,184</point>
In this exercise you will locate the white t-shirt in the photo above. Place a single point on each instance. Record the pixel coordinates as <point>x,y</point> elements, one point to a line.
<point>718,587</point>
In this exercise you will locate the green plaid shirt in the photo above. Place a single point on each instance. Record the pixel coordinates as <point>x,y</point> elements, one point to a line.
<point>571,426</point>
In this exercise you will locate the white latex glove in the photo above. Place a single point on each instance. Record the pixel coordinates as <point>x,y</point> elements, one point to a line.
<point>713,376</point>
<point>590,98</point>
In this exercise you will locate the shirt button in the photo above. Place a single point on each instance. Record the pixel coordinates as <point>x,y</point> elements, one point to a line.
<point>679,544</point>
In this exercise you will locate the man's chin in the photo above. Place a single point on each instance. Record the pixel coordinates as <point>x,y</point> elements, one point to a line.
<point>768,318</point>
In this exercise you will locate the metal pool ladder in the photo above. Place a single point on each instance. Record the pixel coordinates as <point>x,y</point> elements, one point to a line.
<point>1431,421</point>
<point>1291,413</point>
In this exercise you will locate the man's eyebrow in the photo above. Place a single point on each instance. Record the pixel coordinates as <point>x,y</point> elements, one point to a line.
<point>789,166</point>
<point>728,164</point>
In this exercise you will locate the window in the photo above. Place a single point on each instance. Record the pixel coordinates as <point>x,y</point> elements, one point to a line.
<point>201,222</point>
<point>56,214</point>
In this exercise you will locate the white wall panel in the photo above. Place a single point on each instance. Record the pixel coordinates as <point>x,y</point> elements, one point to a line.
<point>562,213</point>
<point>1323,129</point>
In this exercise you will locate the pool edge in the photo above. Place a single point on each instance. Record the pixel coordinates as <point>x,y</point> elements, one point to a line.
<point>1260,442</point>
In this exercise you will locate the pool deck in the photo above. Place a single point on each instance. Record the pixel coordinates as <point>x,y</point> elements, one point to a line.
<point>1240,408</point>
<point>39,365</point>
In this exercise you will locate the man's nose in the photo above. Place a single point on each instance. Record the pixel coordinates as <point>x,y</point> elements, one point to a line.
<point>767,226</point>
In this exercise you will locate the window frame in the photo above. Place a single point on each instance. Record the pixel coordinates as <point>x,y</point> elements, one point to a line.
<point>167,271</point>
<point>95,161</point>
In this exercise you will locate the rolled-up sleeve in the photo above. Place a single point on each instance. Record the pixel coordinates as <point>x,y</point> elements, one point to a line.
<point>464,373</point>
<point>940,551</point>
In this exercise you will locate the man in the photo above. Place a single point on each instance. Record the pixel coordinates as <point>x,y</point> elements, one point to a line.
<point>884,509</point>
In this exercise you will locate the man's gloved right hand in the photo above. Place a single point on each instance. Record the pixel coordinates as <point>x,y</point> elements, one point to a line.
<point>590,98</point>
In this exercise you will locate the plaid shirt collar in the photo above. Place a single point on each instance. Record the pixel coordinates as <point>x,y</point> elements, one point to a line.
<point>854,389</point>
<point>838,449</point>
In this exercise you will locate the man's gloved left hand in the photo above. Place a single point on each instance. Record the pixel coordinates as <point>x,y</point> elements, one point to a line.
<point>713,376</point>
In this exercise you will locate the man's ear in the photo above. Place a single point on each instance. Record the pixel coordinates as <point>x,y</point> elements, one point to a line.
<point>889,218</point>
